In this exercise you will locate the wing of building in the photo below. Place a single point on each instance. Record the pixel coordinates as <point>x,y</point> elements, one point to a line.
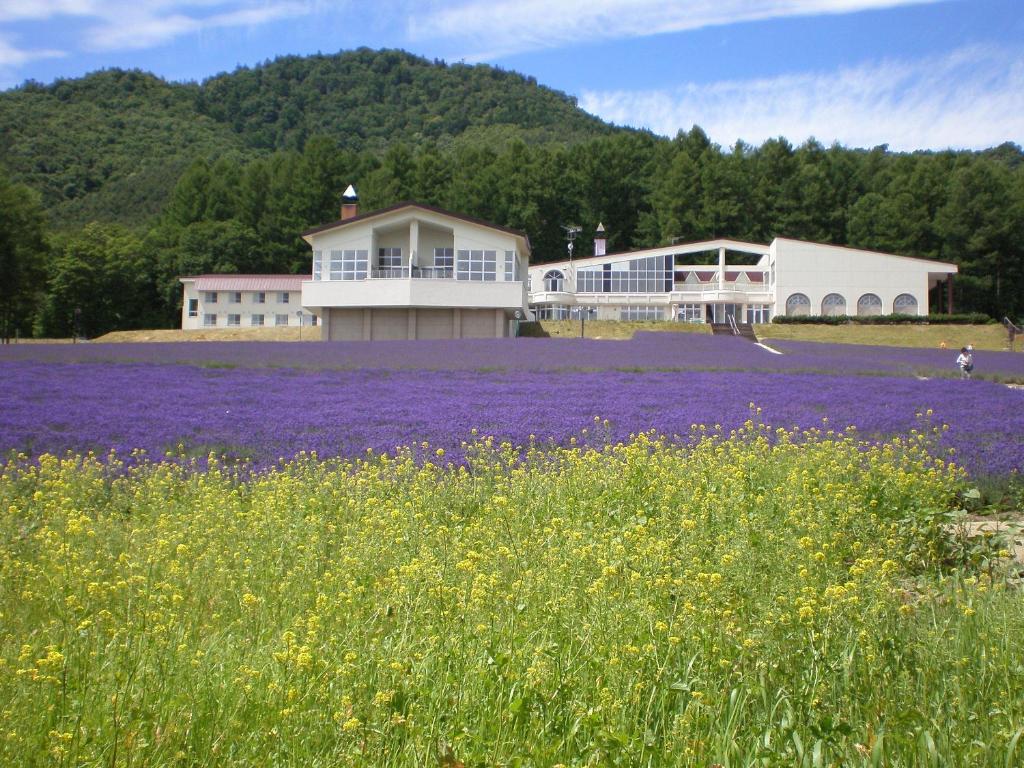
<point>413,271</point>
<point>228,301</point>
<point>713,280</point>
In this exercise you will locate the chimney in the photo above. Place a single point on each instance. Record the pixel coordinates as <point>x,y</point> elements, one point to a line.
<point>349,203</point>
<point>599,240</point>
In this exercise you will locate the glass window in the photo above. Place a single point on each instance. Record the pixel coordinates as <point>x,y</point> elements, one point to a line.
<point>236,297</point>
<point>833,305</point>
<point>552,312</point>
<point>798,305</point>
<point>389,257</point>
<point>280,319</point>
<point>444,257</point>
<point>348,265</point>
<point>210,297</point>
<point>691,313</point>
<point>193,307</point>
<point>869,304</point>
<point>284,297</point>
<point>590,280</point>
<point>511,266</point>
<point>758,313</point>
<point>209,320</point>
<point>905,304</point>
<point>477,265</point>
<point>554,280</point>
<point>261,297</point>
<point>641,313</point>
<point>234,319</point>
<point>318,261</point>
<point>257,320</point>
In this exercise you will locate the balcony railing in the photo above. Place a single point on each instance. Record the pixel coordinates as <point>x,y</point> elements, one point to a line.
<point>418,273</point>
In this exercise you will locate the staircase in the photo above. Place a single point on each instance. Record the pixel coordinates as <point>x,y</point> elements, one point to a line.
<point>746,330</point>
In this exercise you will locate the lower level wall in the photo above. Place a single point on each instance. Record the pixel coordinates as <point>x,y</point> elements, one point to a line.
<point>379,324</point>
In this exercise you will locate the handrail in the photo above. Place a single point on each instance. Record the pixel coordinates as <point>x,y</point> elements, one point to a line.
<point>732,325</point>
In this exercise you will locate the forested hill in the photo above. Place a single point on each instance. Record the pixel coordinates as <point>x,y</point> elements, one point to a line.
<point>114,185</point>
<point>111,145</point>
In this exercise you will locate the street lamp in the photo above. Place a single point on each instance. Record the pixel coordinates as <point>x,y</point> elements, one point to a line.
<point>298,314</point>
<point>515,327</point>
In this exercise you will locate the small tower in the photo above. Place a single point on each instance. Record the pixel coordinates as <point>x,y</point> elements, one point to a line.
<point>600,243</point>
<point>349,203</point>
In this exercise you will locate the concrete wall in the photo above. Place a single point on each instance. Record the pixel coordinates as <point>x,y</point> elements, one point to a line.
<point>817,270</point>
<point>246,308</point>
<point>390,323</point>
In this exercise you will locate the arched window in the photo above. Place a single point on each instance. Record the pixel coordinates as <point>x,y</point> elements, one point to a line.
<point>833,305</point>
<point>554,280</point>
<point>798,305</point>
<point>869,304</point>
<point>905,304</point>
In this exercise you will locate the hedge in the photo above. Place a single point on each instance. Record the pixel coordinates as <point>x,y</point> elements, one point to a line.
<point>975,318</point>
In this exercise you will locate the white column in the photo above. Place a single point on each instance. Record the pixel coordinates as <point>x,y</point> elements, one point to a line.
<point>721,269</point>
<point>414,243</point>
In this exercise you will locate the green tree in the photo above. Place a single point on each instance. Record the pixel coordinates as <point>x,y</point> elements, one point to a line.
<point>23,253</point>
<point>102,280</point>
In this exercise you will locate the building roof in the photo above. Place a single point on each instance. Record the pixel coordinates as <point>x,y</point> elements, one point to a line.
<point>247,282</point>
<point>411,204</point>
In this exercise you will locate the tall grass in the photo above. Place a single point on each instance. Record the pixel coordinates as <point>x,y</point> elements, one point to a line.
<point>760,598</point>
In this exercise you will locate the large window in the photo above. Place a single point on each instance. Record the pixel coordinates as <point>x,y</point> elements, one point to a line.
<point>511,266</point>
<point>210,297</point>
<point>691,313</point>
<point>444,257</point>
<point>650,275</point>
<point>236,297</point>
<point>869,304</point>
<point>234,319</point>
<point>280,319</point>
<point>193,307</point>
<point>284,297</point>
<point>833,305</point>
<point>758,313</point>
<point>798,305</point>
<point>642,313</point>
<point>389,258</point>
<point>552,312</point>
<point>256,320</point>
<point>554,281</point>
<point>477,265</point>
<point>318,261</point>
<point>905,304</point>
<point>209,320</point>
<point>261,297</point>
<point>348,265</point>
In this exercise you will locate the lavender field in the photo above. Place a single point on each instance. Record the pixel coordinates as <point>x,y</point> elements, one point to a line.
<point>269,401</point>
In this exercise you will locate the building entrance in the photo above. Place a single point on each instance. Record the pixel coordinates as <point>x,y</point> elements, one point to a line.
<point>720,313</point>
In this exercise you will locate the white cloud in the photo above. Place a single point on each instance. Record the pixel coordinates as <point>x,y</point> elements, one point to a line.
<point>148,24</point>
<point>12,56</point>
<point>972,98</point>
<point>107,25</point>
<point>514,26</point>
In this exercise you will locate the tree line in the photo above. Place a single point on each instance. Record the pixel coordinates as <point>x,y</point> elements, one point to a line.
<point>235,212</point>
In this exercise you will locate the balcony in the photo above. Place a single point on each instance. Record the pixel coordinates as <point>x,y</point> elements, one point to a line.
<point>427,287</point>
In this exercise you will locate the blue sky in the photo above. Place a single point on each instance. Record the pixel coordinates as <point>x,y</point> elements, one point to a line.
<point>913,74</point>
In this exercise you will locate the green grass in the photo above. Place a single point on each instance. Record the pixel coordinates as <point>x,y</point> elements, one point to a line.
<point>990,337</point>
<point>760,599</point>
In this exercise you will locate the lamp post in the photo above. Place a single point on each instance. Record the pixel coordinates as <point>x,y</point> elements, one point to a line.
<point>298,314</point>
<point>515,327</point>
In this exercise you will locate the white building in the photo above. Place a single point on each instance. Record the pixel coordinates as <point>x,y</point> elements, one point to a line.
<point>412,271</point>
<point>242,301</point>
<point>749,282</point>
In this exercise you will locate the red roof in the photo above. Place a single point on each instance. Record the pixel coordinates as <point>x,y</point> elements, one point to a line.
<point>248,282</point>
